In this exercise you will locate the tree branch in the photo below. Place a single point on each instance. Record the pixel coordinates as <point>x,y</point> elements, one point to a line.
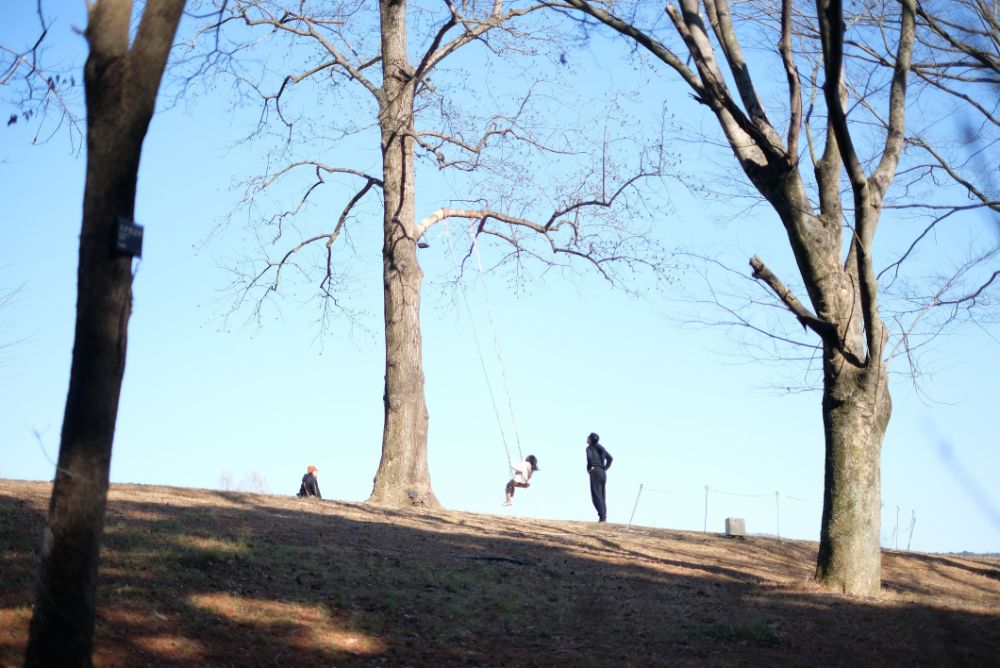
<point>965,183</point>
<point>897,104</point>
<point>722,26</point>
<point>831,21</point>
<point>33,85</point>
<point>650,43</point>
<point>474,29</point>
<point>289,23</point>
<point>972,296</point>
<point>151,47</point>
<point>826,331</point>
<point>794,87</point>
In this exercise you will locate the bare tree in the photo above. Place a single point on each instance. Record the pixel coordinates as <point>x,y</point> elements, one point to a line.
<point>254,482</point>
<point>226,483</point>
<point>399,92</point>
<point>122,76</point>
<point>842,290</point>
<point>822,188</point>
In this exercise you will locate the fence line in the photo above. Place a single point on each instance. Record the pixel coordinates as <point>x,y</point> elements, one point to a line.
<point>670,491</point>
<point>893,540</point>
<point>719,491</point>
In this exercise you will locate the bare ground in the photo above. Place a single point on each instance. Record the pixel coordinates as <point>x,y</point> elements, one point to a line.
<point>201,578</point>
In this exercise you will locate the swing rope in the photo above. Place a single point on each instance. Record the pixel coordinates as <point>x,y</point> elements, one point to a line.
<point>479,349</point>
<point>496,344</point>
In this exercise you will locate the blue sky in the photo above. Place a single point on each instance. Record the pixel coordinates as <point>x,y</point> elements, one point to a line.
<point>205,398</point>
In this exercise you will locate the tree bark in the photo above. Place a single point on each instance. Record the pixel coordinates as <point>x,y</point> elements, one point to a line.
<point>856,411</point>
<point>403,477</point>
<point>121,85</point>
<point>856,403</point>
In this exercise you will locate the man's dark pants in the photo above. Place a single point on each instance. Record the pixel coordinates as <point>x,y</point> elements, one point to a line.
<point>598,479</point>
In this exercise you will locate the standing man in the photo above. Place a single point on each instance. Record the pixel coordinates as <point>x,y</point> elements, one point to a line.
<point>598,462</point>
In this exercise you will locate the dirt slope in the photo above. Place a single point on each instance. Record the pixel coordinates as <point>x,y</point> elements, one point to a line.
<point>202,578</point>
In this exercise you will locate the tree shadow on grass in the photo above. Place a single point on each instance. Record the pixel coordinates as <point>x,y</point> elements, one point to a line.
<point>218,579</point>
<point>948,562</point>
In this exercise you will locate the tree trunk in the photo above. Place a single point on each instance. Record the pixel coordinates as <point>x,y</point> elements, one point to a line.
<point>856,403</point>
<point>856,410</point>
<point>121,92</point>
<point>63,622</point>
<point>403,477</point>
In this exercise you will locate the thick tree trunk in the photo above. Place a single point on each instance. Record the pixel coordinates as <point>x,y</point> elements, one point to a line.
<point>121,92</point>
<point>63,622</point>
<point>856,410</point>
<point>403,477</point>
<point>856,403</point>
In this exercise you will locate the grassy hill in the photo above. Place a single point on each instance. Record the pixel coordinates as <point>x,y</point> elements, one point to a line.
<point>202,578</point>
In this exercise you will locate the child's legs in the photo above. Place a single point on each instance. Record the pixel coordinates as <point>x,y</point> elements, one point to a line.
<point>511,484</point>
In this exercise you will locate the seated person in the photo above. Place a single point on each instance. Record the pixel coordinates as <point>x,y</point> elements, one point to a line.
<point>310,483</point>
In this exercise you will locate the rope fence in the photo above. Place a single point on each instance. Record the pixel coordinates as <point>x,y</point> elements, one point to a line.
<point>762,510</point>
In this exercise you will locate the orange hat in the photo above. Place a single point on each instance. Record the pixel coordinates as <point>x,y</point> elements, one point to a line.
<point>311,469</point>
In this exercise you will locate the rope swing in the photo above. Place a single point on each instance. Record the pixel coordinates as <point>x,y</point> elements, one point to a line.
<point>496,346</point>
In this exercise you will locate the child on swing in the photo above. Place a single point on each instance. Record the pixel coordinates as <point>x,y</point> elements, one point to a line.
<point>522,474</point>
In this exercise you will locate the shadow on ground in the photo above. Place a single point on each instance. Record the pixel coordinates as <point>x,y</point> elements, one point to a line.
<point>201,578</point>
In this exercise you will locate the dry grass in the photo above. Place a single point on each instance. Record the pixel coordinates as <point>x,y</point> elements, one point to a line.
<point>202,578</point>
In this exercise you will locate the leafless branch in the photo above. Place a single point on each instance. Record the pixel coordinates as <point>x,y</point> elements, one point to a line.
<point>970,187</point>
<point>945,296</point>
<point>971,297</point>
<point>826,330</point>
<point>550,229</point>
<point>474,28</point>
<point>895,265</point>
<point>36,90</point>
<point>792,75</point>
<point>649,42</point>
<point>734,308</point>
<point>894,140</point>
<point>950,31</point>
<point>259,185</point>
